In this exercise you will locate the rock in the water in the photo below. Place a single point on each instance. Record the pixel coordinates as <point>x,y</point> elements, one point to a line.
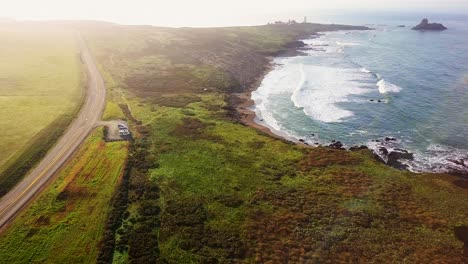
<point>390,139</point>
<point>394,157</point>
<point>383,150</point>
<point>402,26</point>
<point>458,162</point>
<point>425,25</point>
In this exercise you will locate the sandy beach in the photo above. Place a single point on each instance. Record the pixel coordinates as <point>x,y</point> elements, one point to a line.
<point>244,103</point>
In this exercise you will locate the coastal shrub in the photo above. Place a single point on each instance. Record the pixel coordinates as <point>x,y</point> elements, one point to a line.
<point>205,189</point>
<point>322,157</point>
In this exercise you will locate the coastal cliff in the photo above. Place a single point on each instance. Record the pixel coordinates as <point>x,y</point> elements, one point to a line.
<point>213,190</point>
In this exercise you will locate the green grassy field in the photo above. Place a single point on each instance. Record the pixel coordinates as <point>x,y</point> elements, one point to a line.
<point>112,111</point>
<point>206,190</point>
<point>40,91</point>
<point>203,188</point>
<point>66,222</point>
<point>200,187</point>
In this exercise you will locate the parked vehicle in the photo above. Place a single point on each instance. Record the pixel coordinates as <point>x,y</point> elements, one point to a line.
<point>124,132</point>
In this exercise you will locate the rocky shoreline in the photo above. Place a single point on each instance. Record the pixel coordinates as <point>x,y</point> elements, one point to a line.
<point>386,152</point>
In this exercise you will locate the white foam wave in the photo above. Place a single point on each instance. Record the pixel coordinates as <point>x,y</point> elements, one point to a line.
<point>280,80</point>
<point>323,45</point>
<point>347,43</point>
<point>320,89</point>
<point>387,87</point>
<point>364,70</point>
<point>438,158</point>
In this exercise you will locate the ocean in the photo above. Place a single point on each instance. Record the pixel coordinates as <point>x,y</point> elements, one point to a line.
<point>360,87</point>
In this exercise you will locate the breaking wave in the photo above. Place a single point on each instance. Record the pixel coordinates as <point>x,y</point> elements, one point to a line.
<point>387,87</point>
<point>320,89</point>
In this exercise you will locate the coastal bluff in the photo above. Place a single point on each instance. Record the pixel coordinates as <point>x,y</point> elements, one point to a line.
<point>425,25</point>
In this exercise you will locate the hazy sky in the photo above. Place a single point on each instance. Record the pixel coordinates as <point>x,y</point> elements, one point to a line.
<point>202,12</point>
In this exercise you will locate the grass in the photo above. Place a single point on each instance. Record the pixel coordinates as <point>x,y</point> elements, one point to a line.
<point>40,92</point>
<point>66,222</point>
<point>224,192</point>
<point>151,62</point>
<point>202,188</point>
<point>112,111</point>
<point>199,187</point>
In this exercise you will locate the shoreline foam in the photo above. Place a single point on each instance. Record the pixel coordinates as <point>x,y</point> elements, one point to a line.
<point>249,117</point>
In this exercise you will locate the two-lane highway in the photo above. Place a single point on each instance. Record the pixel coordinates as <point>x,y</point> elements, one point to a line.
<point>80,128</point>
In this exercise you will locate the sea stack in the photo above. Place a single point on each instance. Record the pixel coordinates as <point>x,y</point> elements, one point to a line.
<point>425,25</point>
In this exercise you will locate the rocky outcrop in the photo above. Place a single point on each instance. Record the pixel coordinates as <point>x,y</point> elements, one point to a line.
<point>425,25</point>
<point>336,145</point>
<point>461,233</point>
<point>357,148</point>
<point>395,157</point>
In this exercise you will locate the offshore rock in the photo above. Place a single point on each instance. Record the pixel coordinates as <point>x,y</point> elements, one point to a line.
<point>425,25</point>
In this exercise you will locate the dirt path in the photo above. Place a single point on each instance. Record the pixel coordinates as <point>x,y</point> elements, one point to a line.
<point>84,123</point>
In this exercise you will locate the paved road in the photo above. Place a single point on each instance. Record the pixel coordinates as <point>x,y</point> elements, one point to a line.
<point>86,120</point>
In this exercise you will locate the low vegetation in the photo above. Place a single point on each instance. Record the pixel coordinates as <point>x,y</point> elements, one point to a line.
<point>202,188</point>
<point>66,222</point>
<point>40,93</point>
<point>112,111</point>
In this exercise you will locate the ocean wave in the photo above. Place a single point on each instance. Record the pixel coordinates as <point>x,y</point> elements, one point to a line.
<point>319,95</point>
<point>347,43</point>
<point>279,81</point>
<point>364,70</point>
<point>435,158</point>
<point>387,87</point>
<point>441,159</point>
<point>323,45</point>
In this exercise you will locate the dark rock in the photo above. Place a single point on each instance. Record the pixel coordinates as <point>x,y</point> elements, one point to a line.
<point>401,26</point>
<point>460,173</point>
<point>401,150</point>
<point>383,150</point>
<point>390,139</point>
<point>379,101</point>
<point>461,183</point>
<point>312,134</point>
<point>394,157</point>
<point>425,25</point>
<point>372,100</point>
<point>301,140</point>
<point>336,145</point>
<point>461,233</point>
<point>356,148</point>
<point>458,162</point>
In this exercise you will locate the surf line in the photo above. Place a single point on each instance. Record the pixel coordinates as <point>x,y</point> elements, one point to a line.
<point>297,93</point>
